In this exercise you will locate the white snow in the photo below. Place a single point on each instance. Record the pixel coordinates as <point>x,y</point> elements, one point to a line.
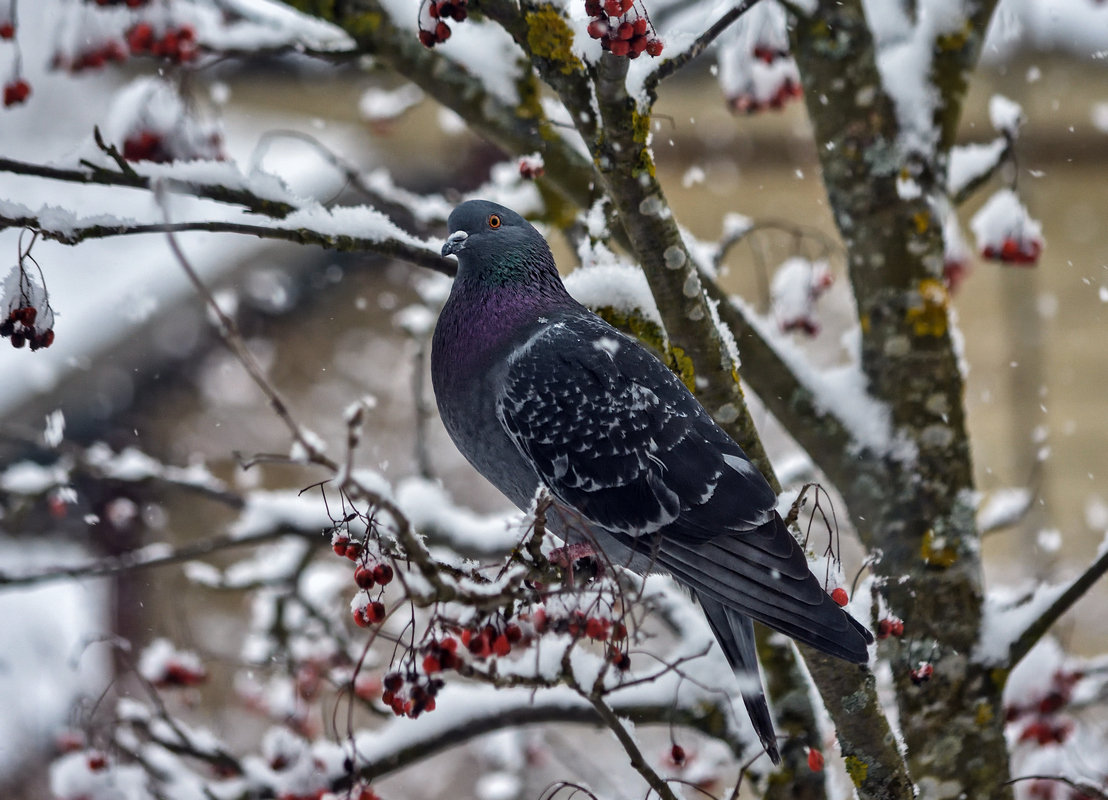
<point>1004,507</point>
<point>1005,115</point>
<point>612,284</point>
<point>969,161</point>
<point>1008,613</point>
<point>432,512</point>
<point>1003,217</point>
<point>46,663</point>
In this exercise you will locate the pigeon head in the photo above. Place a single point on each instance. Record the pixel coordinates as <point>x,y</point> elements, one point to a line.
<point>495,246</point>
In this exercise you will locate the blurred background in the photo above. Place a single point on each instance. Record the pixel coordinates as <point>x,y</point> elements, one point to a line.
<point>135,362</point>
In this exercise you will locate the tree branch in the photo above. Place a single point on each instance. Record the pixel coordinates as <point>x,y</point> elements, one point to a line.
<point>392,248</point>
<point>671,65</point>
<point>104,177</point>
<point>1062,603</point>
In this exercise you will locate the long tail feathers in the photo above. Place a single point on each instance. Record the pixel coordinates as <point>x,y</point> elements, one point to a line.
<point>735,634</point>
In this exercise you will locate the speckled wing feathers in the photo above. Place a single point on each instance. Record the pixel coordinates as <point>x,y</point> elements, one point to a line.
<point>614,435</point>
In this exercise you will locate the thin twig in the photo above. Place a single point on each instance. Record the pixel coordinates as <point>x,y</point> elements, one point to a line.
<point>670,66</point>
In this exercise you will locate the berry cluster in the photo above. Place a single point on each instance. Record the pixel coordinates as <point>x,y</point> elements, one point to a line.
<point>16,92</point>
<point>177,44</point>
<point>921,674</point>
<point>890,626</point>
<point>623,29</point>
<point>1043,725</point>
<point>411,695</point>
<point>1023,250</point>
<point>433,14</point>
<point>96,57</point>
<point>531,167</point>
<point>20,327</point>
<point>181,675</point>
<point>788,89</point>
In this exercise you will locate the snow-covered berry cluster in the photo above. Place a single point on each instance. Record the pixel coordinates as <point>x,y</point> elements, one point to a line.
<point>532,166</point>
<point>433,14</point>
<point>165,666</point>
<point>623,28</point>
<point>26,317</point>
<point>797,286</point>
<point>153,122</point>
<point>756,71</point>
<point>1040,719</point>
<point>1005,232</point>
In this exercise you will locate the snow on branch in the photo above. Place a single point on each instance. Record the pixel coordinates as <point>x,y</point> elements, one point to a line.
<point>1009,631</point>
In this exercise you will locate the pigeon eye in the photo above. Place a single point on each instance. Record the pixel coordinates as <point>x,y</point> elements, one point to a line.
<point>494,221</point>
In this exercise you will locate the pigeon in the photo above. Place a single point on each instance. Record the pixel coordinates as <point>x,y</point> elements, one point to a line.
<point>537,391</point>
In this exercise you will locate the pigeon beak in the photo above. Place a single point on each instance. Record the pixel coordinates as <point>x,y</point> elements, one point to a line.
<point>454,243</point>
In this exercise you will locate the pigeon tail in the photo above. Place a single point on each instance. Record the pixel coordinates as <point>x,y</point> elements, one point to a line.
<point>735,634</point>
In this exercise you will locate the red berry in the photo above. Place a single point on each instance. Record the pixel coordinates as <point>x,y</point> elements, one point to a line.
<point>539,620</point>
<point>626,30</point>
<point>513,633</point>
<point>433,10</point>
<point>622,661</point>
<point>501,646</point>
<point>815,760</point>
<point>613,8</point>
<point>382,573</point>
<point>921,674</point>
<point>677,754</point>
<point>598,28</point>
<point>442,32</point>
<point>625,6</point>
<point>361,618</point>
<point>638,44</point>
<point>353,550</point>
<point>140,37</point>
<point>593,8</point>
<point>363,576</point>
<point>431,665</point>
<point>376,611</point>
<point>840,596</point>
<point>640,26</point>
<point>620,47</point>
<point>393,681</point>
<point>654,47</point>
<point>619,631</point>
<point>97,761</point>
<point>449,644</point>
<point>426,38</point>
<point>596,629</point>
<point>7,30</point>
<point>16,92</point>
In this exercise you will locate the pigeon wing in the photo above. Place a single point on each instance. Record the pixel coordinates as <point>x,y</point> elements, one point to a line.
<point>616,437</point>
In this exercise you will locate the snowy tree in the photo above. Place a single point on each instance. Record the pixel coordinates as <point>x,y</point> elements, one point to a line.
<point>411,623</point>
